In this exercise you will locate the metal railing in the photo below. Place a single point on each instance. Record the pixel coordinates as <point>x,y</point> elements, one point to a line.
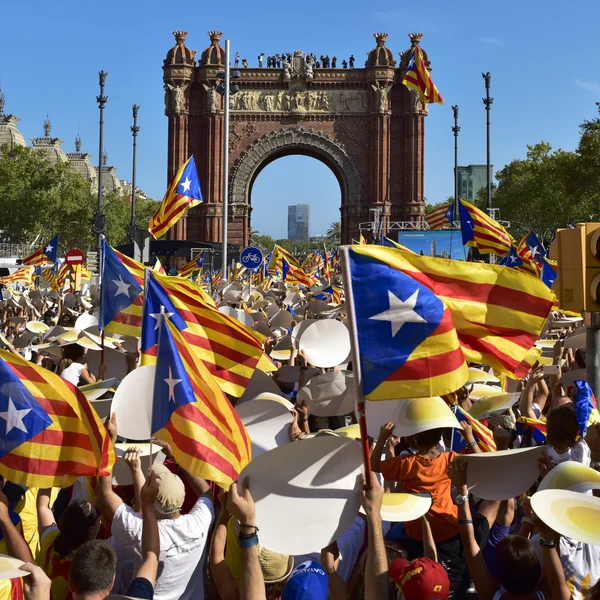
<point>14,250</point>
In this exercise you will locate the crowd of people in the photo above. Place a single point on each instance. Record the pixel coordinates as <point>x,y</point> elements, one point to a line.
<point>172,535</point>
<point>277,61</point>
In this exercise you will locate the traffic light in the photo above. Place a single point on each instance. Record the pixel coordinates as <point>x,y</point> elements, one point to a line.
<point>579,267</point>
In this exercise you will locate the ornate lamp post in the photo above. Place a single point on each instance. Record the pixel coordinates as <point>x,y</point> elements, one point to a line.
<point>99,221</point>
<point>134,131</point>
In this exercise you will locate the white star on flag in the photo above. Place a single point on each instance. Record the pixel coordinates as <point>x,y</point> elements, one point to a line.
<point>185,185</point>
<point>48,248</point>
<point>14,417</point>
<point>122,287</point>
<point>513,258</point>
<point>157,315</point>
<point>400,312</point>
<point>534,250</point>
<point>171,383</point>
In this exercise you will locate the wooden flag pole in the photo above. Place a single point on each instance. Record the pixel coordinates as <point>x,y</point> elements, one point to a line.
<point>356,368</point>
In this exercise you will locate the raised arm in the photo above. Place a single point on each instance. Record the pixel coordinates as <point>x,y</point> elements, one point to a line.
<point>384,433</point>
<point>132,458</point>
<point>150,537</point>
<point>221,573</point>
<point>527,395</point>
<point>106,499</point>
<point>15,543</point>
<point>429,547</point>
<point>376,572</point>
<point>484,583</point>
<point>44,512</point>
<point>241,506</point>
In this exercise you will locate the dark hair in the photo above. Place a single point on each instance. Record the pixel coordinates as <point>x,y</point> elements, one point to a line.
<point>561,425</point>
<point>356,584</point>
<point>70,354</point>
<point>580,358</point>
<point>428,438</point>
<point>274,590</point>
<point>74,525</point>
<point>519,568</point>
<point>93,568</point>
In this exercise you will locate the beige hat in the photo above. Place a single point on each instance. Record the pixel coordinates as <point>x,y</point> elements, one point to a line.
<point>171,491</point>
<point>275,567</point>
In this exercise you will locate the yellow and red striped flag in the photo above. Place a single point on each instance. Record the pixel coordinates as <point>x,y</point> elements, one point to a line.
<point>498,313</point>
<point>46,255</point>
<point>58,282</point>
<point>483,436</point>
<point>193,415</point>
<point>438,217</point>
<point>50,433</point>
<point>128,320</point>
<point>481,231</point>
<point>194,265</point>
<point>158,268</point>
<point>417,78</point>
<point>23,274</point>
<point>229,350</point>
<point>183,193</point>
<point>278,254</point>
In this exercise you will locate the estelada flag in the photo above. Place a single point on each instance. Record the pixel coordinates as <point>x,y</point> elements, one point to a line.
<point>438,217</point>
<point>45,255</point>
<point>24,274</point>
<point>193,415</point>
<point>417,78</point>
<point>184,193</point>
<point>498,313</point>
<point>49,433</point>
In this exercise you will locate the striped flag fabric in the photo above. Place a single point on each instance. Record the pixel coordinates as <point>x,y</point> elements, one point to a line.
<point>483,436</point>
<point>183,193</point>
<point>121,297</point>
<point>49,433</point>
<point>417,78</point>
<point>336,293</point>
<point>24,274</point>
<point>438,217</point>
<point>191,267</point>
<point>407,344</point>
<point>193,415</point>
<point>498,313</point>
<point>481,231</point>
<point>59,280</point>
<point>229,350</point>
<point>158,268</point>
<point>44,255</point>
<point>531,248</point>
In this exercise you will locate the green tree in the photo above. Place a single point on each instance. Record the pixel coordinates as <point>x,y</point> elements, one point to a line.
<point>264,243</point>
<point>334,233</point>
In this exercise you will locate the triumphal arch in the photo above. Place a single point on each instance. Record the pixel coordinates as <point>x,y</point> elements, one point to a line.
<point>363,123</point>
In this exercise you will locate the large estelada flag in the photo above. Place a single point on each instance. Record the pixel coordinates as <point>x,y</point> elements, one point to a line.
<point>184,193</point>
<point>402,301</point>
<point>193,415</point>
<point>46,255</point>
<point>417,78</point>
<point>49,433</point>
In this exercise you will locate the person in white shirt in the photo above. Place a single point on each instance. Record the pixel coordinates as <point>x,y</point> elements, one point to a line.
<point>183,538</point>
<point>73,366</point>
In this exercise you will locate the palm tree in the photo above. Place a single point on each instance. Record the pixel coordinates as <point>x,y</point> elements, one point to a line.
<point>334,233</point>
<point>253,236</point>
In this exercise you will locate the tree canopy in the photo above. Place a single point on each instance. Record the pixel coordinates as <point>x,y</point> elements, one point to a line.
<point>39,199</point>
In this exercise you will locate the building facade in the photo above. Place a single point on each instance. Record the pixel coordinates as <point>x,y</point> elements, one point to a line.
<point>471,179</point>
<point>299,222</point>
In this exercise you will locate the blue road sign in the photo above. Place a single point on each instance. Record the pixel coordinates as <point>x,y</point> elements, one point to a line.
<point>251,257</point>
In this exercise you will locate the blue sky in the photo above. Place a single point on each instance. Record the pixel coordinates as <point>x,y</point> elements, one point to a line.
<point>542,56</point>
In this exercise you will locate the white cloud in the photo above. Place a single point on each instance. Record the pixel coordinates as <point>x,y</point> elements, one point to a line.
<point>492,41</point>
<point>591,86</point>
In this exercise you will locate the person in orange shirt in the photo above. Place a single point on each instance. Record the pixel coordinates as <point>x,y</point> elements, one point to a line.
<point>426,472</point>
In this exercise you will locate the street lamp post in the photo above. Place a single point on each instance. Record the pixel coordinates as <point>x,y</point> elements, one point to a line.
<point>134,131</point>
<point>99,221</point>
<point>488,101</point>
<point>455,130</point>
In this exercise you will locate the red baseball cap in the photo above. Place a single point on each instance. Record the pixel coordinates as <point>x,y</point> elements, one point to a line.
<point>421,579</point>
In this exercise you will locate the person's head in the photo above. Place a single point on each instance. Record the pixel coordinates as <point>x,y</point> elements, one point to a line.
<point>70,354</point>
<point>426,439</point>
<point>93,570</point>
<point>276,569</point>
<point>171,493</point>
<point>308,581</point>
<point>79,523</point>
<point>561,426</point>
<point>356,585</point>
<point>421,579</point>
<point>519,568</point>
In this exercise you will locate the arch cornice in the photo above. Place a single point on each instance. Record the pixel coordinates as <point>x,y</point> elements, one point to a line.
<point>295,140</point>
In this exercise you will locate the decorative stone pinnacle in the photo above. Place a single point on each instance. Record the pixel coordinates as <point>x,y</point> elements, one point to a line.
<point>215,37</point>
<point>415,38</point>
<point>77,144</point>
<point>104,158</point>
<point>380,38</point>
<point>47,127</point>
<point>2,101</point>
<point>180,37</point>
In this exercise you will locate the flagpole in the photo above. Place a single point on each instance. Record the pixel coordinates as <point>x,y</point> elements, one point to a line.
<point>225,207</point>
<point>356,369</point>
<point>160,327</point>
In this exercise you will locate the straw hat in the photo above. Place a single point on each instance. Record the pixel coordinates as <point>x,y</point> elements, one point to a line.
<point>275,567</point>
